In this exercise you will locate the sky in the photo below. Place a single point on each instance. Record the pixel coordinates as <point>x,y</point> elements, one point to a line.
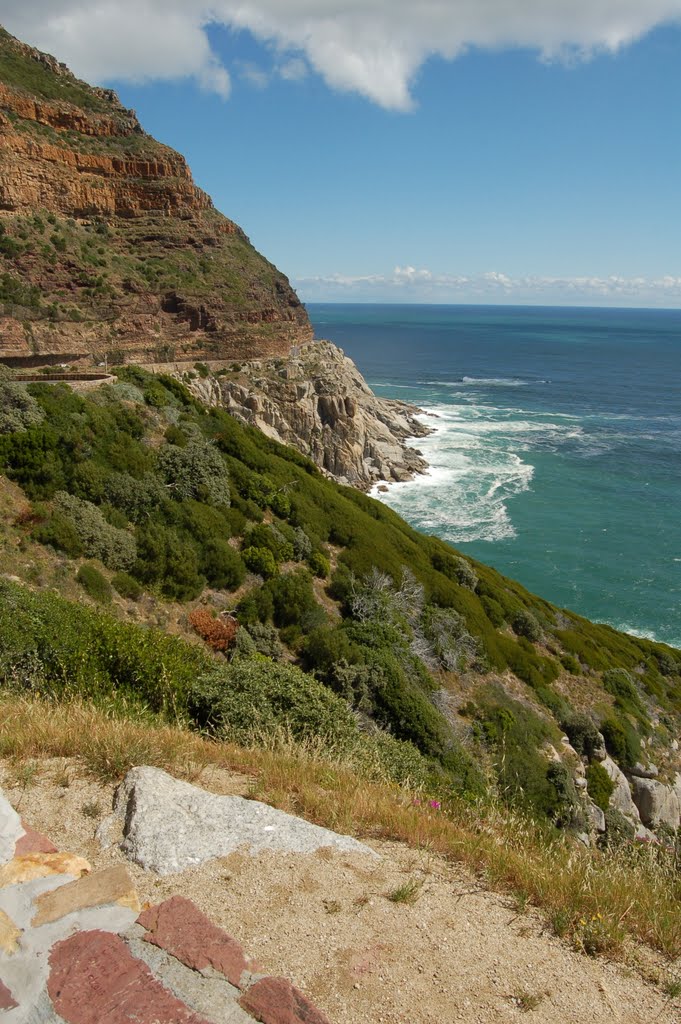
<point>491,151</point>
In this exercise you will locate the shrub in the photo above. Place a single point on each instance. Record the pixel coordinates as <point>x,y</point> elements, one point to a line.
<point>465,574</point>
<point>563,806</point>
<point>319,564</point>
<point>260,561</point>
<point>165,557</point>
<point>67,649</point>
<point>137,498</point>
<point>621,742</point>
<point>621,685</point>
<point>265,640</point>
<point>294,603</point>
<point>582,733</point>
<point>599,784</point>
<point>115,547</point>
<point>253,698</point>
<point>218,633</point>
<point>18,409</point>
<point>267,536</point>
<point>195,471</point>
<point>619,831</point>
<point>94,584</point>
<point>126,586</point>
<point>222,566</point>
<point>384,758</point>
<point>60,533</point>
<point>525,624</point>
<point>452,644</point>
<point>302,545</point>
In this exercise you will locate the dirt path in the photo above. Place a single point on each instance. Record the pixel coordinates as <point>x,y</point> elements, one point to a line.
<point>457,953</point>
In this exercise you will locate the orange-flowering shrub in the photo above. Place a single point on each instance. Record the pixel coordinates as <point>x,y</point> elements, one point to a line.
<point>218,633</point>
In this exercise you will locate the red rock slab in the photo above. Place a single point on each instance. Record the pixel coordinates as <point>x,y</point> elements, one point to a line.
<point>33,842</point>
<point>179,927</point>
<point>95,979</point>
<point>7,1001</point>
<point>276,1001</point>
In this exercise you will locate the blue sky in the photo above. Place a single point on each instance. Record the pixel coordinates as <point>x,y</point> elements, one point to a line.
<point>381,153</point>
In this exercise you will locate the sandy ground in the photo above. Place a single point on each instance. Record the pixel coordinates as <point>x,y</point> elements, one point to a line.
<point>458,953</point>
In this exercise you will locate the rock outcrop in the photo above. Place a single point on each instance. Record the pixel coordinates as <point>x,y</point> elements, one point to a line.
<point>318,402</point>
<point>108,250</point>
<point>75,949</point>
<point>170,825</point>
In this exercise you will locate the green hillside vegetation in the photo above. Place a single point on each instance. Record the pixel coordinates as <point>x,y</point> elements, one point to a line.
<point>37,79</point>
<point>353,626</point>
<point>58,269</point>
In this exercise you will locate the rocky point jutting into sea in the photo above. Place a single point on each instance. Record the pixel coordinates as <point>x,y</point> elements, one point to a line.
<point>115,255</point>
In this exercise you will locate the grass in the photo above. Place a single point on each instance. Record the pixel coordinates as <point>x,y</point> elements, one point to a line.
<point>408,892</point>
<point>596,899</point>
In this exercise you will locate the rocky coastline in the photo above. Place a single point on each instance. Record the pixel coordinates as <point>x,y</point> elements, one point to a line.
<point>317,401</point>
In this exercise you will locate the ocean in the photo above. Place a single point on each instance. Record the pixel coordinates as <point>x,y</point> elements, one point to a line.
<point>555,455</point>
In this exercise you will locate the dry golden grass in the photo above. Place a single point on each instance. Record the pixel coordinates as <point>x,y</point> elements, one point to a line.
<point>595,898</point>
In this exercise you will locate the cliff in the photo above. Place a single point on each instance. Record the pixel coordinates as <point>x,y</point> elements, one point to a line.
<point>107,247</point>
<point>318,401</point>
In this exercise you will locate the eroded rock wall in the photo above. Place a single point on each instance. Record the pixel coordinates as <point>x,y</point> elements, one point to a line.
<point>318,401</point>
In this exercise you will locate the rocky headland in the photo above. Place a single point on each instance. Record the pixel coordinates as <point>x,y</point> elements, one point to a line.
<point>318,402</point>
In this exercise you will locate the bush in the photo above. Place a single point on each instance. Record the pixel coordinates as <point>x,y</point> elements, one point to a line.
<point>265,640</point>
<point>137,498</point>
<point>66,649</point>
<point>319,564</point>
<point>218,633</point>
<point>599,785</point>
<point>18,409</point>
<point>621,742</point>
<point>195,471</point>
<point>465,574</point>
<point>94,584</point>
<point>294,603</point>
<point>222,566</point>
<point>126,586</point>
<point>251,699</point>
<point>582,733</point>
<point>619,831</point>
<point>260,561</point>
<point>525,624</point>
<point>165,557</point>
<point>114,547</point>
<point>60,533</point>
<point>452,644</point>
<point>267,536</point>
<point>381,757</point>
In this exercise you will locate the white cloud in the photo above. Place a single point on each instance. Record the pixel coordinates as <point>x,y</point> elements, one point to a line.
<point>373,47</point>
<point>409,284</point>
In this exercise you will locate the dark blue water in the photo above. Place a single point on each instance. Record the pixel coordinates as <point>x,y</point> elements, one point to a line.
<point>555,455</point>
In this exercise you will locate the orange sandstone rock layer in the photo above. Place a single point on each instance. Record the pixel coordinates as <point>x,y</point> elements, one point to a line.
<point>108,249</point>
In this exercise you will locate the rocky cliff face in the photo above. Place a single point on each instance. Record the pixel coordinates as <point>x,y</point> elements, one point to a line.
<point>107,247</point>
<point>318,401</point>
<point>109,251</point>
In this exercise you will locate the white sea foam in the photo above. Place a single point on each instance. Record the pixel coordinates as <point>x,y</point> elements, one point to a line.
<point>478,460</point>
<point>487,382</point>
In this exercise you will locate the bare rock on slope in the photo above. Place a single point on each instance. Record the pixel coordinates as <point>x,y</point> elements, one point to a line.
<point>318,402</point>
<point>172,825</point>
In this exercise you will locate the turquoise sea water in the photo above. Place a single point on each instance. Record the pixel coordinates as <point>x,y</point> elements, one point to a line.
<point>556,450</point>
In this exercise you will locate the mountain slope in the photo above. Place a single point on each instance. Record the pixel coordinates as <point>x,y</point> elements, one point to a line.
<point>107,247</point>
<point>456,675</point>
